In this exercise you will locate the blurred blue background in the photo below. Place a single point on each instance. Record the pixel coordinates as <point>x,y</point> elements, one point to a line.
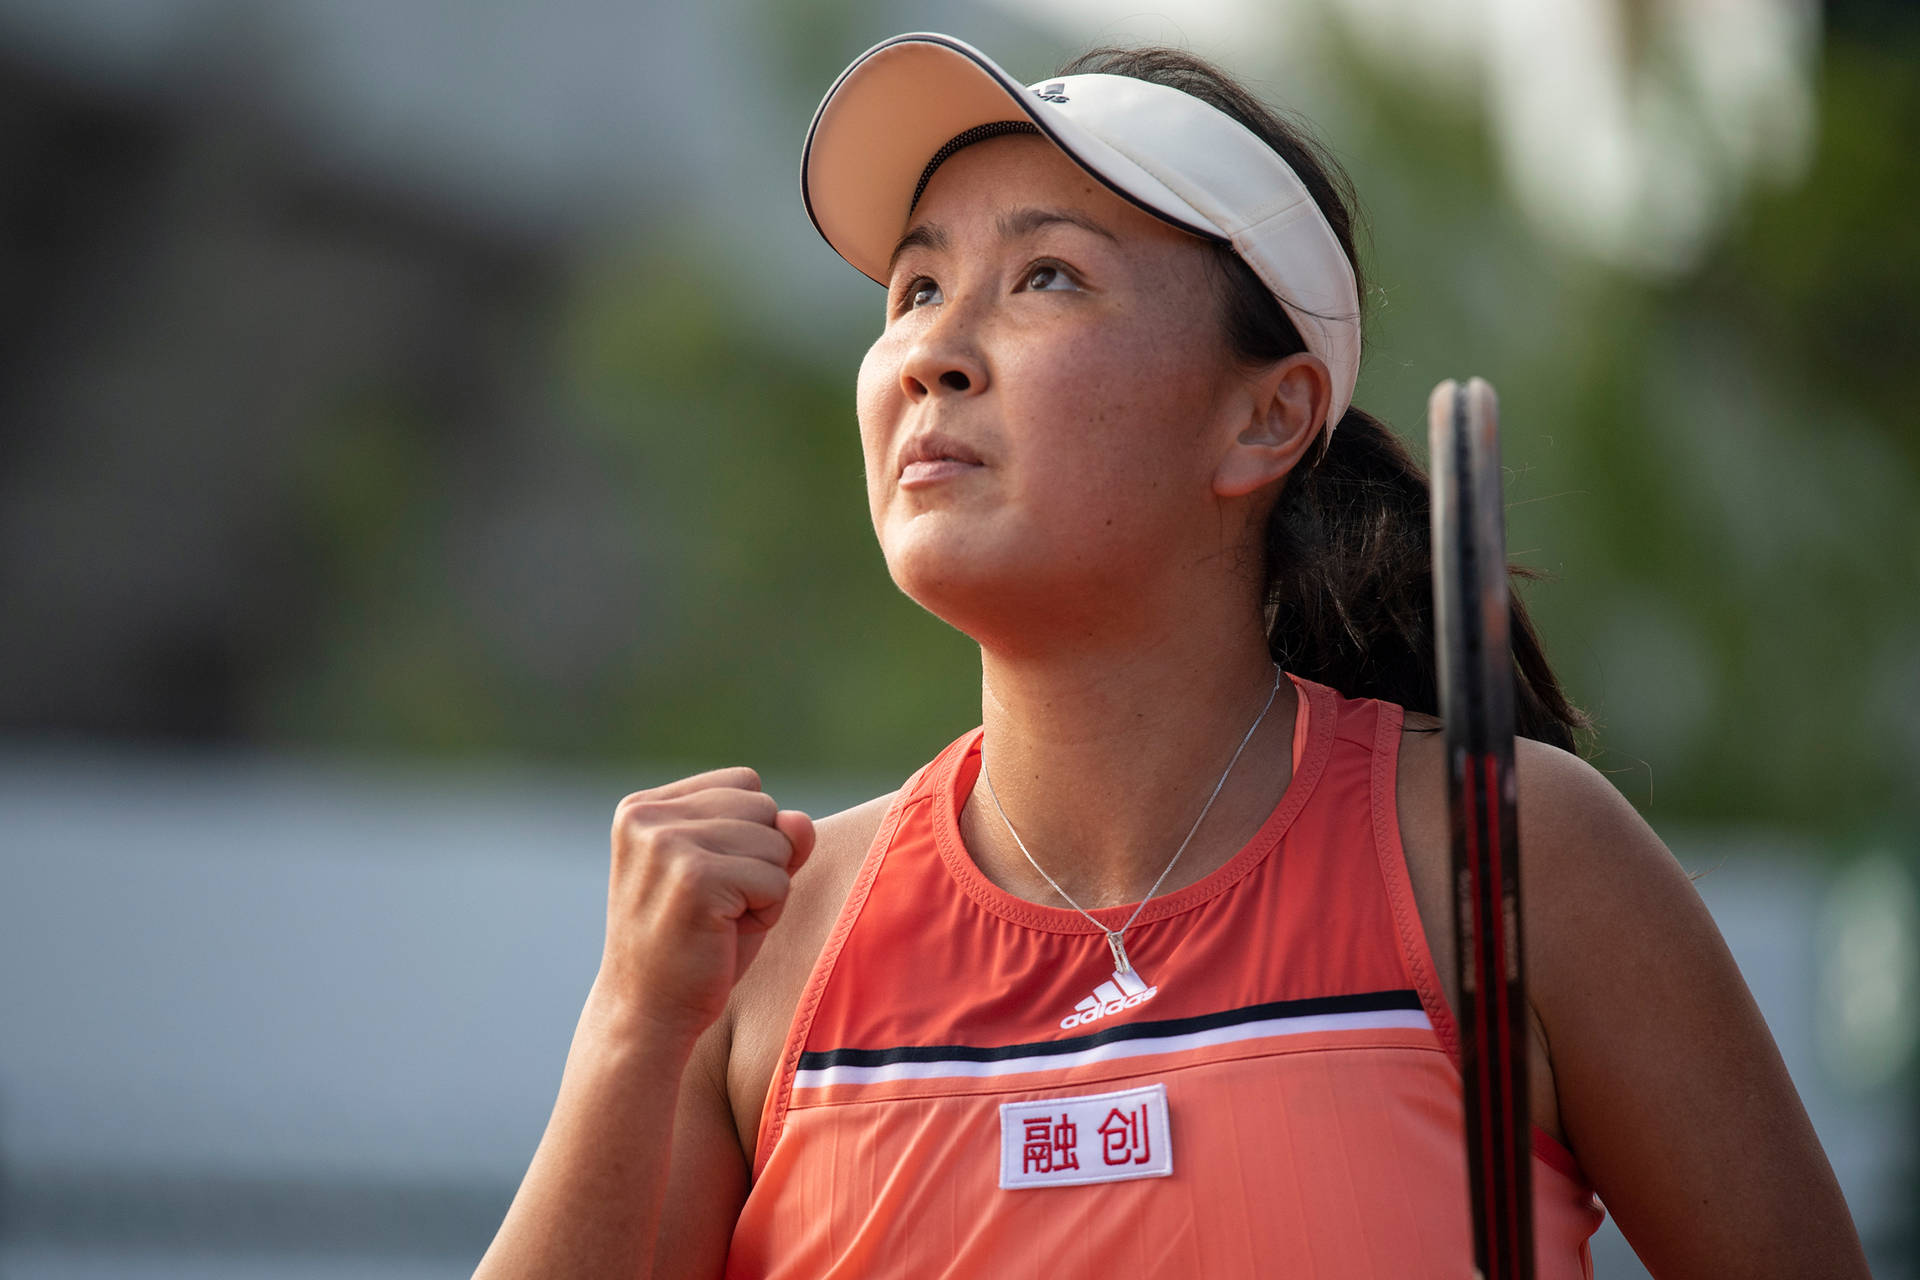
<point>423,423</point>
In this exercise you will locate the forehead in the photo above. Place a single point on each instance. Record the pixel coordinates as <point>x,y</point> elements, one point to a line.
<point>991,177</point>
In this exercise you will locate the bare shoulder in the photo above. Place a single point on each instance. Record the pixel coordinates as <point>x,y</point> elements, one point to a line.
<point>1667,1082</point>
<point>763,1001</point>
<point>1588,862</point>
<point>1573,822</point>
<point>1655,1065</point>
<point>841,842</point>
<point>1604,889</point>
<point>845,837</point>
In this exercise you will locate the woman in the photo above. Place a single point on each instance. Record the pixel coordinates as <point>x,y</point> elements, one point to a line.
<point>1152,973</point>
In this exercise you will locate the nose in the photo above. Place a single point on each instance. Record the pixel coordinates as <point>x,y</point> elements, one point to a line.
<point>943,360</point>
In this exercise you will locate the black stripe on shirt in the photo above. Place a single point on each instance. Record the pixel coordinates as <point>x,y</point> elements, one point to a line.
<point>1364,1002</point>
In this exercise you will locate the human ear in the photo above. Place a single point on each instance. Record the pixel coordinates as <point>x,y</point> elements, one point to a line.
<point>1288,401</point>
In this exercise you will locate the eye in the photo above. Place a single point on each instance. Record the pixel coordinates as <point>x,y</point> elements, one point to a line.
<point>920,293</point>
<point>1046,277</point>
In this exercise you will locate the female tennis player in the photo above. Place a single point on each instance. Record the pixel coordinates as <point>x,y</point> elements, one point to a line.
<point>1151,973</point>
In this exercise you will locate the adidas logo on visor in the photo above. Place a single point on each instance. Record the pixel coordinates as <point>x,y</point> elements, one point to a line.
<point>1055,92</point>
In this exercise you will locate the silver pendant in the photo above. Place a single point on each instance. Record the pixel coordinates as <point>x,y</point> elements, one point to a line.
<point>1120,962</point>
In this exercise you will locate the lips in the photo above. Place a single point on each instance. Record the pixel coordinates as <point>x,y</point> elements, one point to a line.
<point>932,455</point>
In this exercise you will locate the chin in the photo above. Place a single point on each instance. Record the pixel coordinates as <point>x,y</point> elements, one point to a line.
<point>952,576</point>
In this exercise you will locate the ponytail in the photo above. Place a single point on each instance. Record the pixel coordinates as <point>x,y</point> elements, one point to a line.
<point>1348,587</point>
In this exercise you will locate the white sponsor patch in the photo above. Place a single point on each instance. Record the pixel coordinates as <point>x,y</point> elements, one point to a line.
<point>1098,1137</point>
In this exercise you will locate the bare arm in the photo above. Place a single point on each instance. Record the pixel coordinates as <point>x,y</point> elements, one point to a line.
<point>1670,1087</point>
<point>590,1202</point>
<point>738,1060</point>
<point>701,870</point>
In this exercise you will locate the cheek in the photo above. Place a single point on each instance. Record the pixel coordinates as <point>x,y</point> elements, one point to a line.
<point>1126,412</point>
<point>877,405</point>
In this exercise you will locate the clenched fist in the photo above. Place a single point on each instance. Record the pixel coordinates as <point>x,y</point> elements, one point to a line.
<point>701,870</point>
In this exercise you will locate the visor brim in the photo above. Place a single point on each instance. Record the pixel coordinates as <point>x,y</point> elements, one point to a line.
<point>896,106</point>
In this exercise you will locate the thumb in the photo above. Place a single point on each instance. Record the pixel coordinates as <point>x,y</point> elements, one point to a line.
<point>797,827</point>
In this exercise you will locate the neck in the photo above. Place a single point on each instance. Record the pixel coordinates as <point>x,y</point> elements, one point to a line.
<point>1103,759</point>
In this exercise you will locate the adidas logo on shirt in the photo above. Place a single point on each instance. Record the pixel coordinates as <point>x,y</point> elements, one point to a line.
<point>1125,991</point>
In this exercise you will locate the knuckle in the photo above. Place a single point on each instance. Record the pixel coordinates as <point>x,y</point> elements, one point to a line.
<point>629,806</point>
<point>643,848</point>
<point>646,795</point>
<point>662,838</point>
<point>689,879</point>
<point>646,813</point>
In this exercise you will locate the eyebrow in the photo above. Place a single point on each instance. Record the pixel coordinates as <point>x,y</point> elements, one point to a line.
<point>924,236</point>
<point>1024,222</point>
<point>1012,226</point>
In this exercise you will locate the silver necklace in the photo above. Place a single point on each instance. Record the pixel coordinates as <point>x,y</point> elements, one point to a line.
<point>1116,937</point>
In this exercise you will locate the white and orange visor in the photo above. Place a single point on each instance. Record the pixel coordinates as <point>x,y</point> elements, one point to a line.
<point>906,104</point>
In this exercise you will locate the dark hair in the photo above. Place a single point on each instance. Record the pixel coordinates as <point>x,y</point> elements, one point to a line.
<point>1348,576</point>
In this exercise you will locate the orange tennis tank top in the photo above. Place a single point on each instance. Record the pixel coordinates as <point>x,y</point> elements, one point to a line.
<point>969,1089</point>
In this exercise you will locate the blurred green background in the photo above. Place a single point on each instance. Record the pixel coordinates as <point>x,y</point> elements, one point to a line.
<point>463,386</point>
<point>296,458</point>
